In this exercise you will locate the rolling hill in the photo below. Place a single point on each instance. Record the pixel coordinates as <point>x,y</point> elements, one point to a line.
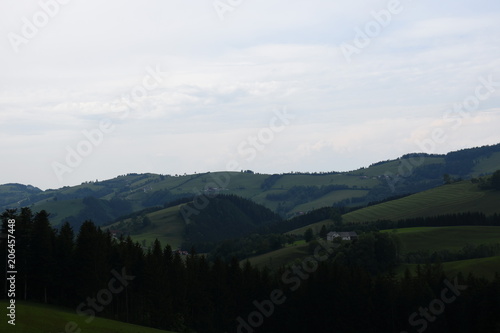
<point>288,194</point>
<point>445,238</point>
<point>166,225</point>
<point>462,196</point>
<point>421,239</point>
<point>480,267</point>
<point>224,217</point>
<point>458,197</point>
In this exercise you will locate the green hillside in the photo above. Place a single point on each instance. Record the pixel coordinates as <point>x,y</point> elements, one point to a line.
<point>447,199</point>
<point>480,267</point>
<point>37,318</point>
<point>166,225</point>
<point>16,195</point>
<point>487,164</point>
<point>60,211</point>
<point>287,194</point>
<point>315,227</point>
<point>281,257</point>
<point>424,239</point>
<point>445,238</point>
<point>224,217</point>
<point>485,267</point>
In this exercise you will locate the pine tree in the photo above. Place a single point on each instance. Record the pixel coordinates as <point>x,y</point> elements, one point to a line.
<point>64,254</point>
<point>495,180</point>
<point>91,255</point>
<point>43,260</point>
<point>323,232</point>
<point>308,235</point>
<point>156,281</point>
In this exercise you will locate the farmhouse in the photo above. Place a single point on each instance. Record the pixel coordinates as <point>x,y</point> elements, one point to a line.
<point>349,235</point>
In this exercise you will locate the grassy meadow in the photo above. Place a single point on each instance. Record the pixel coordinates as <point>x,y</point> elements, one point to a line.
<point>448,199</point>
<point>38,318</point>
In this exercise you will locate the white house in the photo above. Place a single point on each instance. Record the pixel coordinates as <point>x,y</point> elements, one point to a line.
<point>348,236</point>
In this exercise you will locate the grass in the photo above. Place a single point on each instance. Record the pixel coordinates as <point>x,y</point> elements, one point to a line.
<point>316,227</point>
<point>454,198</point>
<point>63,208</point>
<point>278,258</point>
<point>487,165</point>
<point>329,199</point>
<point>445,238</point>
<point>452,239</point>
<point>135,187</point>
<point>167,226</point>
<point>484,267</point>
<point>481,267</point>
<point>351,180</point>
<point>38,318</point>
<point>412,239</point>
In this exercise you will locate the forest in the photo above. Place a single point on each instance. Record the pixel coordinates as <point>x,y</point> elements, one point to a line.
<point>351,288</point>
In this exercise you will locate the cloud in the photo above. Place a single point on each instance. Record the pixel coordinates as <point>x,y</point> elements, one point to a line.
<point>221,81</point>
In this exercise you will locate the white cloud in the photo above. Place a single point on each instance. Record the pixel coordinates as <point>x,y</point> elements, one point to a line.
<point>222,79</point>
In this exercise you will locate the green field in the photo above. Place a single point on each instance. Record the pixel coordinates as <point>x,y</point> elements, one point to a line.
<point>447,199</point>
<point>445,238</point>
<point>167,226</point>
<point>329,199</point>
<point>65,209</point>
<point>484,267</point>
<point>37,318</point>
<point>412,239</point>
<point>481,267</point>
<point>278,258</point>
<point>316,227</point>
<point>137,189</point>
<point>452,239</point>
<point>486,165</point>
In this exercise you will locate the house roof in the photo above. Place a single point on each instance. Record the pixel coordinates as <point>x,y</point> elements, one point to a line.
<point>343,234</point>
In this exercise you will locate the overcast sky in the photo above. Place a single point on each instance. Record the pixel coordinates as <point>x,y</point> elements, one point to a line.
<point>177,86</point>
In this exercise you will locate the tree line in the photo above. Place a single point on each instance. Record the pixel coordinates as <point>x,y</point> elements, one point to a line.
<point>345,292</point>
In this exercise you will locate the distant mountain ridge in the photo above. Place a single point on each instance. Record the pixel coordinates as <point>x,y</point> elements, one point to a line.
<point>288,194</point>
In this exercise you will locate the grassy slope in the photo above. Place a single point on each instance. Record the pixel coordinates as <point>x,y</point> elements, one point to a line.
<point>445,238</point>
<point>452,239</point>
<point>60,210</point>
<point>458,197</point>
<point>278,258</point>
<point>167,226</point>
<point>316,227</point>
<point>37,318</point>
<point>483,267</point>
<point>412,239</point>
<point>463,196</point>
<point>136,187</point>
<point>487,165</point>
<point>329,199</point>
<point>392,166</point>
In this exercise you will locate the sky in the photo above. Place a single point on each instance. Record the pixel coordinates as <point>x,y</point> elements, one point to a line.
<point>90,90</point>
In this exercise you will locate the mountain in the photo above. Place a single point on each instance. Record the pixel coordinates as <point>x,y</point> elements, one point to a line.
<point>287,194</point>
